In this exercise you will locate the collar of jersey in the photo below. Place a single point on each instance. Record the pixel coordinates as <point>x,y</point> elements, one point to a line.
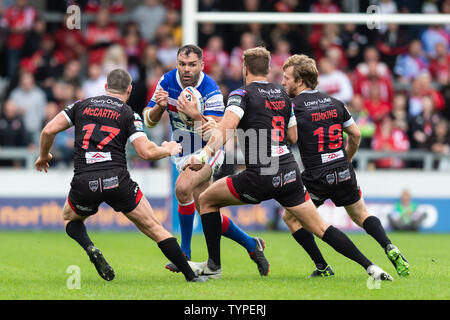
<point>114,97</point>
<point>260,81</point>
<point>200,79</point>
<point>309,91</point>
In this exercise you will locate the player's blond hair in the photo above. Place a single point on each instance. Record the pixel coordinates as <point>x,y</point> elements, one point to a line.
<point>304,68</point>
<point>257,61</point>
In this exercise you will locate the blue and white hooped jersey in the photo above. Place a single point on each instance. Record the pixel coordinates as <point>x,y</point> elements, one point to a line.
<point>213,106</point>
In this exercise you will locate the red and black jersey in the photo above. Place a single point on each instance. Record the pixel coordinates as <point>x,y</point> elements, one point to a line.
<point>266,113</point>
<point>320,121</point>
<point>103,125</point>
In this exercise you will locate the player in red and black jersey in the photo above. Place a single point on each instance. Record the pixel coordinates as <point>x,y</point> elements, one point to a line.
<point>328,170</point>
<point>263,112</point>
<point>103,125</point>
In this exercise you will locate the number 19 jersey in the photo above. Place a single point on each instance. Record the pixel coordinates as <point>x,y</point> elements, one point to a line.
<point>320,121</point>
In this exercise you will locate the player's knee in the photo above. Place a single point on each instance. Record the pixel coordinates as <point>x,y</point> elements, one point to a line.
<point>183,192</point>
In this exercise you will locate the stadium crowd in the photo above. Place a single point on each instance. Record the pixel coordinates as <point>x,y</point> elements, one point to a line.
<point>394,79</point>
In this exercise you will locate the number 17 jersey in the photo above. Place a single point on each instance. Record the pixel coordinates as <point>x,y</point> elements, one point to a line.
<point>320,121</point>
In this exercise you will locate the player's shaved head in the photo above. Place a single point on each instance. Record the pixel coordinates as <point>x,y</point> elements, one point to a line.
<point>118,81</point>
<point>303,68</point>
<point>257,61</point>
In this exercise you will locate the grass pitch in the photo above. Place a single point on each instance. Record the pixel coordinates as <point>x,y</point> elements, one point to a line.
<point>33,266</point>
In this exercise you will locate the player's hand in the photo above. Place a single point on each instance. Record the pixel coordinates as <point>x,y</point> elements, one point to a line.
<point>189,108</point>
<point>173,147</point>
<point>161,98</point>
<point>207,129</point>
<point>196,162</point>
<point>42,163</point>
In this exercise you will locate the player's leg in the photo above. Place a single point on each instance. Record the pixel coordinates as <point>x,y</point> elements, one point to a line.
<point>306,240</point>
<point>308,216</point>
<point>145,220</point>
<point>372,225</point>
<point>76,229</point>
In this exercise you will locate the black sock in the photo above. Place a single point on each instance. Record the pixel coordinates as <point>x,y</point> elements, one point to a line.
<point>212,228</point>
<point>173,252</point>
<point>342,244</point>
<point>373,227</point>
<point>77,231</point>
<point>306,240</point>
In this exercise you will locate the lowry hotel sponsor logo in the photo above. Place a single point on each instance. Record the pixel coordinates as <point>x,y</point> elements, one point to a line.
<point>270,92</point>
<point>317,102</point>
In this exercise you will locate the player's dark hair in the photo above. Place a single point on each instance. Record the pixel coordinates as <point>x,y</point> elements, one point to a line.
<point>191,48</point>
<point>118,81</point>
<point>304,68</point>
<point>257,61</point>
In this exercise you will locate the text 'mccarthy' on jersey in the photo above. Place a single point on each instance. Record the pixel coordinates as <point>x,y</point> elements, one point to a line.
<point>266,114</point>
<point>320,121</point>
<point>103,124</point>
<point>213,106</point>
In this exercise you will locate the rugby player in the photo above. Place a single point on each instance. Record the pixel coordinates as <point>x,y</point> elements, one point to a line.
<point>271,170</point>
<point>190,184</point>
<point>103,125</point>
<point>328,166</point>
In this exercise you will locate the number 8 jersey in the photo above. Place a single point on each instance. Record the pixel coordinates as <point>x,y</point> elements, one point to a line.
<point>103,124</point>
<point>320,121</point>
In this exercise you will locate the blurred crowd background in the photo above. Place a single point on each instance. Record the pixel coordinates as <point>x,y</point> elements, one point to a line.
<point>394,79</point>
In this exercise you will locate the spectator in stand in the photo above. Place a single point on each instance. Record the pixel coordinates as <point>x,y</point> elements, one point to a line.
<point>392,43</point>
<point>440,65</point>
<point>422,125</point>
<point>12,128</point>
<point>70,42</point>
<point>94,85</point>
<point>280,54</point>
<point>113,6</point>
<point>406,216</point>
<point>334,82</point>
<point>72,72</point>
<point>34,38</point>
<point>386,7</point>
<point>430,6</point>
<point>30,101</point>
<point>421,87</point>
<point>411,64</point>
<point>400,112</point>
<point>115,58</point>
<point>18,19</point>
<point>233,78</point>
<point>173,21</point>
<point>247,41</point>
<point>323,39</point>
<point>150,58</point>
<point>286,5</point>
<point>432,35</point>
<point>325,6</point>
<point>353,44</point>
<point>440,143</point>
<point>215,54</point>
<point>167,52</point>
<point>363,120</point>
<point>149,16</point>
<point>100,35</point>
<point>390,138</point>
<point>134,47</point>
<point>378,109</point>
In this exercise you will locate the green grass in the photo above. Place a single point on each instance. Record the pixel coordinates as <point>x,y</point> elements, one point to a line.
<point>33,266</point>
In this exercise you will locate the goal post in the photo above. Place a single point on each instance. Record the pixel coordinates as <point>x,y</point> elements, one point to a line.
<point>191,17</point>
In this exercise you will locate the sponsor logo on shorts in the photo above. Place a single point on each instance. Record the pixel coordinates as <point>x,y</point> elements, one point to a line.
<point>327,157</point>
<point>344,175</point>
<point>289,177</point>
<point>276,181</point>
<point>81,208</point>
<point>110,183</point>
<point>93,185</point>
<point>278,151</point>
<point>94,157</point>
<point>313,196</point>
<point>330,178</point>
<point>250,197</point>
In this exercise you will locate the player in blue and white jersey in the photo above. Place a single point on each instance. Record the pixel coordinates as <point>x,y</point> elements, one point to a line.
<point>190,184</point>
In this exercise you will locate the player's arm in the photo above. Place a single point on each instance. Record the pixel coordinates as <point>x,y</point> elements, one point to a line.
<point>353,140</point>
<point>292,133</point>
<point>48,134</point>
<point>148,150</point>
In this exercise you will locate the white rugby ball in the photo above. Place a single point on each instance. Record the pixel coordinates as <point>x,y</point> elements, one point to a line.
<point>192,94</point>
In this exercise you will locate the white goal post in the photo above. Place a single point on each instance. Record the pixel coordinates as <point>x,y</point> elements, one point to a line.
<point>191,17</point>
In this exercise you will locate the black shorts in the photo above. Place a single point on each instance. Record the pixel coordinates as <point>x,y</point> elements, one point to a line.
<point>338,184</point>
<point>285,186</point>
<point>115,187</point>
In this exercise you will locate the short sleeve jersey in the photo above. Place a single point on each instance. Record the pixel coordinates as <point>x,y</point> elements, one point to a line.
<point>266,113</point>
<point>320,121</point>
<point>213,106</point>
<point>103,125</point>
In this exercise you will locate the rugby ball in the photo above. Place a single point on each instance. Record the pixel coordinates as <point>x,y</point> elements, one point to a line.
<point>192,94</point>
